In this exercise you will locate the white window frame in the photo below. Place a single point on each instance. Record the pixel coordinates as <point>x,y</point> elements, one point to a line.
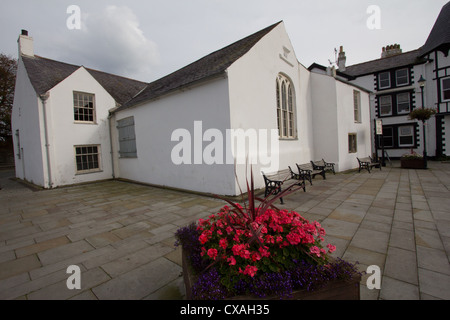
<point>379,80</point>
<point>79,99</point>
<point>286,115</point>
<point>89,155</point>
<point>397,77</point>
<point>409,103</point>
<point>400,135</point>
<point>380,105</point>
<point>445,89</point>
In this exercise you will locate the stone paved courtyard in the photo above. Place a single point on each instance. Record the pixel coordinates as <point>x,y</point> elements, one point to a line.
<point>121,234</point>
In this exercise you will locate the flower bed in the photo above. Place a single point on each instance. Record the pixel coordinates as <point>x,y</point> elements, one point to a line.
<point>337,280</point>
<point>412,161</point>
<point>264,253</point>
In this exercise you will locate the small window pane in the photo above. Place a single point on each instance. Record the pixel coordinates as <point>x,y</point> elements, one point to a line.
<point>384,80</point>
<point>403,104</point>
<point>402,77</point>
<point>388,137</point>
<point>87,158</point>
<point>84,106</point>
<point>285,107</point>
<point>385,105</point>
<point>406,136</point>
<point>445,87</point>
<point>352,143</point>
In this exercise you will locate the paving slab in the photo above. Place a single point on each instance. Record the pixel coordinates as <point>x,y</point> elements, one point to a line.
<point>121,234</point>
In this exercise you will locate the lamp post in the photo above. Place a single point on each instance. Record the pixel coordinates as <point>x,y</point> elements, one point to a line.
<point>422,83</point>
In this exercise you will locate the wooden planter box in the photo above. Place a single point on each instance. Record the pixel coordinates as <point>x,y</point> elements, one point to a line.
<point>413,163</point>
<point>336,290</point>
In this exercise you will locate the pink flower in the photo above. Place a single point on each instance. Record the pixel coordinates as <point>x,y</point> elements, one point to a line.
<point>331,248</point>
<point>212,253</point>
<point>232,261</point>
<point>249,270</point>
<point>315,250</point>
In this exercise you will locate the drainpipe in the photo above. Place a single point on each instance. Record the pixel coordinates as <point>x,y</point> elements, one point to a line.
<point>44,98</point>
<point>110,117</point>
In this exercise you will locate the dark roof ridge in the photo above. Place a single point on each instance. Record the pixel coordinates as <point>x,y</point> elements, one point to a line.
<point>204,68</point>
<point>386,58</point>
<point>400,60</point>
<point>45,74</point>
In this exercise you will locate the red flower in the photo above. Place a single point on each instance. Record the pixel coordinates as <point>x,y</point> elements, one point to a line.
<point>212,253</point>
<point>232,261</point>
<point>223,243</point>
<point>249,270</point>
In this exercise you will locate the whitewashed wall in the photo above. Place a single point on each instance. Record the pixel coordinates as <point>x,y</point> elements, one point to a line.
<point>253,98</point>
<point>347,124</point>
<point>26,117</point>
<point>333,121</point>
<point>155,123</point>
<point>65,133</point>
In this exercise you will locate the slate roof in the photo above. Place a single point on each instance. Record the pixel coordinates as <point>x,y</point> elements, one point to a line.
<point>210,66</point>
<point>401,60</point>
<point>45,74</point>
<point>439,38</point>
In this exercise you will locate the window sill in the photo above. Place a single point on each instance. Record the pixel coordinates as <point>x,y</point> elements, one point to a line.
<point>82,173</point>
<point>288,139</point>
<point>85,122</point>
<point>388,90</point>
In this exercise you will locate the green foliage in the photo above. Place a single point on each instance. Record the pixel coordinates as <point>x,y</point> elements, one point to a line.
<point>8,67</point>
<point>422,114</point>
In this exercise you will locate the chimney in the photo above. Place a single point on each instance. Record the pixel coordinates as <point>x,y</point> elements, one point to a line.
<point>341,59</point>
<point>391,50</point>
<point>25,44</point>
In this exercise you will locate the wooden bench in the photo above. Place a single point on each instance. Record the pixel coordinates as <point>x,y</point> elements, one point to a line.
<point>367,163</point>
<point>308,172</point>
<point>323,165</point>
<point>275,181</point>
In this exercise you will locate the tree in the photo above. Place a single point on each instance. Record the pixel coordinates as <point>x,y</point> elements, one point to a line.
<point>8,68</point>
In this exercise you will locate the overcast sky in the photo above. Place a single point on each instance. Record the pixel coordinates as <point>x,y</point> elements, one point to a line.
<point>146,40</point>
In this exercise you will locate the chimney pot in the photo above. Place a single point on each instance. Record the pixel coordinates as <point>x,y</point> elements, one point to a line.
<point>342,59</point>
<point>25,44</point>
<point>391,50</point>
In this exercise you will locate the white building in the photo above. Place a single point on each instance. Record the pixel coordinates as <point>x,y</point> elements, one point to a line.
<point>184,130</point>
<point>60,119</point>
